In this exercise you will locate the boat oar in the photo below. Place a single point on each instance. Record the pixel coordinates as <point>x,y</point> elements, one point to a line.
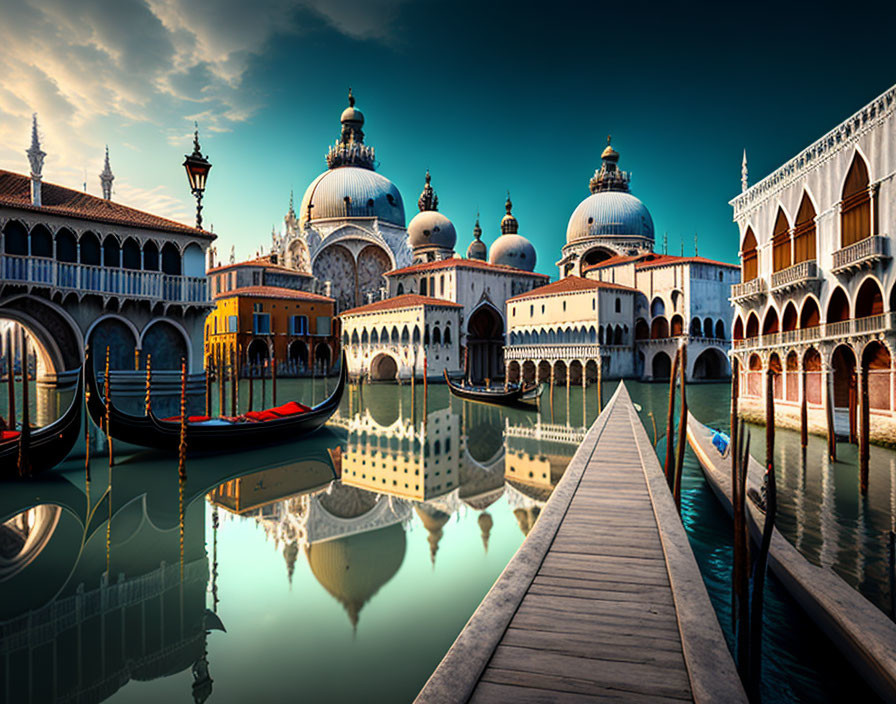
<point>670,421</point>
<point>682,428</point>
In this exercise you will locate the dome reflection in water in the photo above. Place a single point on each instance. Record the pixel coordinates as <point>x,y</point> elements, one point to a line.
<point>344,566</point>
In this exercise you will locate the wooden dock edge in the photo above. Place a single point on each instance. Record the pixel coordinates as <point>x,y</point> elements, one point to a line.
<point>711,669</point>
<point>457,675</point>
<point>861,631</point>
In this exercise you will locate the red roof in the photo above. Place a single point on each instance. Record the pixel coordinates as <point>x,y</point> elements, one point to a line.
<point>407,300</point>
<point>15,192</point>
<point>463,264</point>
<point>273,292</point>
<point>571,284</point>
<point>649,259</point>
<point>264,261</point>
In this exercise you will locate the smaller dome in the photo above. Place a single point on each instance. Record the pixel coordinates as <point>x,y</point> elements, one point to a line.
<point>477,248</point>
<point>513,250</point>
<point>352,114</point>
<point>429,228</point>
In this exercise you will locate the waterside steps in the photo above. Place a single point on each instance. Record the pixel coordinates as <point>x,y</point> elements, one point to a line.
<point>856,627</point>
<point>603,600</point>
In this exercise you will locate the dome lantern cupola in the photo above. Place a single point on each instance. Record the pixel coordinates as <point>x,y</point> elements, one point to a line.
<point>428,199</point>
<point>609,177</point>
<point>350,149</point>
<point>509,224</point>
<point>477,248</point>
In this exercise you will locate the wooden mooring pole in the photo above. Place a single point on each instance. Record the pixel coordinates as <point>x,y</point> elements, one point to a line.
<point>682,427</point>
<point>769,416</point>
<point>600,387</point>
<point>274,381</point>
<point>11,380</point>
<point>208,385</point>
<point>234,381</point>
<point>252,388</point>
<point>24,460</point>
<point>804,408</point>
<point>829,411</point>
<point>182,445</point>
<point>864,430</point>
<point>741,555</point>
<point>670,422</point>
<point>107,378</point>
<point>758,591</point>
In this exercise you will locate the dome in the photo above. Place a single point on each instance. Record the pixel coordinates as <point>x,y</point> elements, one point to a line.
<point>513,250</point>
<point>352,191</point>
<point>609,213</point>
<point>354,568</point>
<point>429,228</point>
<point>352,114</point>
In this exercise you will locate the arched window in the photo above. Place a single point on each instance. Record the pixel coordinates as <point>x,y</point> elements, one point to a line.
<point>781,242</point>
<point>657,307</point>
<point>16,237</point>
<point>130,254</point>
<point>738,332</point>
<point>111,251</point>
<point>355,339</point>
<point>707,328</point>
<point>400,290</point>
<point>695,327</point>
<point>770,324</point>
<point>789,319</point>
<point>374,337</point>
<point>869,300</point>
<point>66,247</point>
<point>446,338</point>
<point>810,316</point>
<point>41,242</point>
<point>365,339</point>
<point>750,257</point>
<point>642,330</point>
<point>752,325</point>
<point>677,325</point>
<point>150,256</point>
<point>838,307</point>
<point>720,330</point>
<point>436,336</point>
<point>423,286</point>
<point>170,259</point>
<point>804,232</point>
<point>405,335</point>
<point>618,304</point>
<point>855,208</point>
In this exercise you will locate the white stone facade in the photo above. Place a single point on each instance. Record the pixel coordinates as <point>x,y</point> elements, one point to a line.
<point>818,296</point>
<point>390,339</point>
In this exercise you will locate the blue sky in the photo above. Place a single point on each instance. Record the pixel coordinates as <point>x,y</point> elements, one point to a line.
<point>489,97</point>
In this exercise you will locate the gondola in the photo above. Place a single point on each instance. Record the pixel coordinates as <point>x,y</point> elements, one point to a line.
<point>284,424</point>
<point>515,395</point>
<point>43,448</point>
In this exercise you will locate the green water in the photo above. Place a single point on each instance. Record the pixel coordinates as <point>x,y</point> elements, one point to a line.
<point>330,591</point>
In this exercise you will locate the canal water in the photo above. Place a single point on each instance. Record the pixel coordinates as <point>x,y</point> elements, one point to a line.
<point>341,567</point>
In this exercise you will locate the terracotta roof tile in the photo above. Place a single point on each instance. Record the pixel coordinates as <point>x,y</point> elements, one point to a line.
<point>571,284</point>
<point>407,300</point>
<point>463,264</point>
<point>648,259</point>
<point>273,292</point>
<point>264,261</point>
<point>15,192</point>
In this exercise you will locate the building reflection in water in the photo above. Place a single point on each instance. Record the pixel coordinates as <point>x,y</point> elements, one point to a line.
<point>95,632</point>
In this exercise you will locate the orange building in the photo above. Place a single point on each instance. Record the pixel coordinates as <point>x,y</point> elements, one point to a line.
<point>259,323</point>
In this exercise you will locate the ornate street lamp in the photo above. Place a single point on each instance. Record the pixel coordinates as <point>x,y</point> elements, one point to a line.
<point>197,167</point>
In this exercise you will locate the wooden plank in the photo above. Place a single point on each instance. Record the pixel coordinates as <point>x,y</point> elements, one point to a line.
<point>489,692</point>
<point>626,676</point>
<point>621,649</point>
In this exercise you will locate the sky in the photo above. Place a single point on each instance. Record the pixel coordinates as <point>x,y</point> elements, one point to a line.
<point>490,97</point>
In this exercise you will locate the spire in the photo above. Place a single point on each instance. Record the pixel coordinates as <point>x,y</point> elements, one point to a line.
<point>509,224</point>
<point>744,183</point>
<point>695,244</point>
<point>428,199</point>
<point>609,177</point>
<point>36,156</point>
<point>292,209</point>
<point>107,177</point>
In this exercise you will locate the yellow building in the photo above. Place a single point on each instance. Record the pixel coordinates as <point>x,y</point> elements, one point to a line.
<point>268,323</point>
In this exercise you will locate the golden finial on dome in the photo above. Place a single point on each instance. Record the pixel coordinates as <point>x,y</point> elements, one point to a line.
<point>351,99</point>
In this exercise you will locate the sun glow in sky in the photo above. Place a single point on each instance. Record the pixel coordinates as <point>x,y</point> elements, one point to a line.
<point>489,97</point>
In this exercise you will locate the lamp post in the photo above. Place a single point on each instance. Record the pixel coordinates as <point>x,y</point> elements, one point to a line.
<point>197,167</point>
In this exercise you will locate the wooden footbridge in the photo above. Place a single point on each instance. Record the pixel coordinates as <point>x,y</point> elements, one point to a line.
<point>604,599</point>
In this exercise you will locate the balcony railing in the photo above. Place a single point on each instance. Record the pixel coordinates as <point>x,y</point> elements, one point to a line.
<point>861,253</point>
<point>556,349</point>
<point>825,331</point>
<point>802,274</point>
<point>150,285</point>
<point>749,289</point>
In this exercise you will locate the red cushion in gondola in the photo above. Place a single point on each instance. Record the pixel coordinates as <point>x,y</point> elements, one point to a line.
<point>190,419</point>
<point>8,434</point>
<point>293,408</point>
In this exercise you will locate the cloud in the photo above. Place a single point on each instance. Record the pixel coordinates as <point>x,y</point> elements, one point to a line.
<point>91,67</point>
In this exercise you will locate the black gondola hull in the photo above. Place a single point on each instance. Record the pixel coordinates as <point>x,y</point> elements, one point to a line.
<point>513,397</point>
<point>47,446</point>
<point>150,431</point>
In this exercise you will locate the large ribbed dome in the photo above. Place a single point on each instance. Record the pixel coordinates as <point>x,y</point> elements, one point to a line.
<point>351,191</point>
<point>609,213</point>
